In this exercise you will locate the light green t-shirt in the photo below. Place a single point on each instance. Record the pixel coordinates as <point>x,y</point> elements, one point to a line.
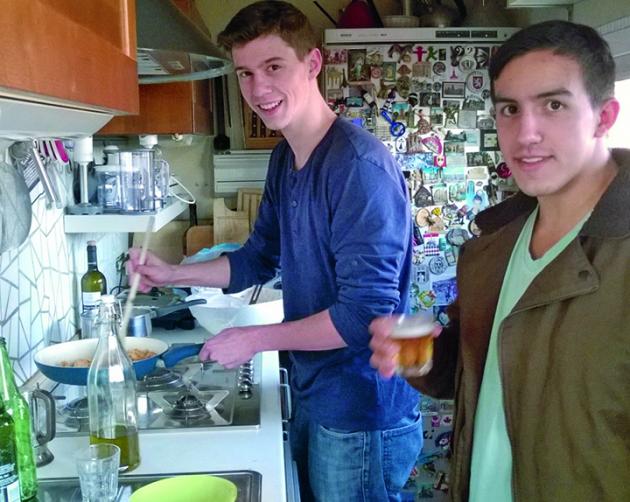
<point>491,469</point>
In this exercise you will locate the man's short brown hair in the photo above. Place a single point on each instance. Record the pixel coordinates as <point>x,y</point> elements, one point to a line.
<point>579,42</point>
<point>270,17</point>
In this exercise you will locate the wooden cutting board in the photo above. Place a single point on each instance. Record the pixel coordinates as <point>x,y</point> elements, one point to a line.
<point>229,226</point>
<point>198,237</point>
<point>168,242</point>
<point>248,200</point>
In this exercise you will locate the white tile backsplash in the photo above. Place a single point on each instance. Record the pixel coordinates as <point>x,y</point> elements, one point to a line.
<point>40,283</point>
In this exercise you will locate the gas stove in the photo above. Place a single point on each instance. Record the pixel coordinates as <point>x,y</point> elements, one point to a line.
<point>190,394</point>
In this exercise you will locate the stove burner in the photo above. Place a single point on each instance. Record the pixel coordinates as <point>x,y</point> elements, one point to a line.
<point>193,407</point>
<point>187,404</point>
<point>160,378</point>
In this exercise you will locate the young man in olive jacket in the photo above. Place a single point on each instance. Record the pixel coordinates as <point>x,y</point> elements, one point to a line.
<point>537,354</point>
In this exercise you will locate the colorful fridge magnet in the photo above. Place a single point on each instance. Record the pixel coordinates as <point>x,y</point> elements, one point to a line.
<point>333,77</point>
<point>453,89</point>
<point>467,119</point>
<point>436,116</point>
<point>446,290</point>
<point>421,70</point>
<point>396,128</point>
<point>376,72</point>
<point>457,52</point>
<point>489,141</point>
<point>374,57</point>
<point>473,102</point>
<point>389,71</point>
<point>427,299</point>
<point>467,64</point>
<point>358,69</point>
<point>422,198</point>
<point>454,104</point>
<point>476,81</point>
<point>423,216</point>
<point>503,171</point>
<point>433,143</point>
<point>482,56</point>
<point>439,68</point>
<point>335,56</point>
<point>450,117</point>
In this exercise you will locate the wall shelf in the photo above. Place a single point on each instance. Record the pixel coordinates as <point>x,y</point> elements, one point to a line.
<point>122,223</point>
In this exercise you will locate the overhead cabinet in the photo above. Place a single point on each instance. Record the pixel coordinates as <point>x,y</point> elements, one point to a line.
<point>181,107</point>
<point>81,54</point>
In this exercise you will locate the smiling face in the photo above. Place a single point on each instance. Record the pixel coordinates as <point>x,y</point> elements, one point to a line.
<point>549,132</point>
<point>274,82</point>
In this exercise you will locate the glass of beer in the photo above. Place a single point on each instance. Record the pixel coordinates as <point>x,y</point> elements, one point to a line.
<point>413,334</point>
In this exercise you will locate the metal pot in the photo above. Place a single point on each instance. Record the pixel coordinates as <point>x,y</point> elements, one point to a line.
<point>140,320</point>
<point>49,359</point>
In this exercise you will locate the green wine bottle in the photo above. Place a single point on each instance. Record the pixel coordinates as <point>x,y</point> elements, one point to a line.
<point>93,283</point>
<point>17,407</point>
<point>9,482</point>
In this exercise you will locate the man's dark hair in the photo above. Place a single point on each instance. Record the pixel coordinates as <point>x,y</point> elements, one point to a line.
<point>270,17</point>
<point>579,42</point>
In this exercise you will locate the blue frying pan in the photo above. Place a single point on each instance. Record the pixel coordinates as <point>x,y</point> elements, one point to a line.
<point>49,359</point>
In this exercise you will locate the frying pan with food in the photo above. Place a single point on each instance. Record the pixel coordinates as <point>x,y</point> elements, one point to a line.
<point>49,360</point>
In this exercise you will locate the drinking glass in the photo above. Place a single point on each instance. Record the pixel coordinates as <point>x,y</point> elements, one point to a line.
<point>413,333</point>
<point>98,472</point>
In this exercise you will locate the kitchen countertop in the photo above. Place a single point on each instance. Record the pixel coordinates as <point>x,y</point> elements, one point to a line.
<point>204,450</point>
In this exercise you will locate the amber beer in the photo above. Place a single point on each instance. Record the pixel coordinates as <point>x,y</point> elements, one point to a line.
<point>413,334</point>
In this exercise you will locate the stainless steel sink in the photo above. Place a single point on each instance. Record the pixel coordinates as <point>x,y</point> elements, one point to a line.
<point>248,484</point>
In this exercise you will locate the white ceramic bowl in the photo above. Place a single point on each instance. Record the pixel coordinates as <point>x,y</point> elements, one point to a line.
<point>224,311</point>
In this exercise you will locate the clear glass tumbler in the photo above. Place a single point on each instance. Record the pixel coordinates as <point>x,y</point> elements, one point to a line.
<point>97,466</point>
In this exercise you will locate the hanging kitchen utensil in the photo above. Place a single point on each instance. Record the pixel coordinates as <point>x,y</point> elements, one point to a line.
<point>15,208</point>
<point>49,188</point>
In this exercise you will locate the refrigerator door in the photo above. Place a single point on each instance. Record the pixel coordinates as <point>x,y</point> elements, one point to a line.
<point>425,93</point>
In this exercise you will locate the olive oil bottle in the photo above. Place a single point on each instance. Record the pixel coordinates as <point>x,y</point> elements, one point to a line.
<point>126,440</point>
<point>93,282</point>
<point>111,391</point>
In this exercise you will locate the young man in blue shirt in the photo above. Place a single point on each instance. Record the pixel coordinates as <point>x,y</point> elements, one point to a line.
<point>335,218</point>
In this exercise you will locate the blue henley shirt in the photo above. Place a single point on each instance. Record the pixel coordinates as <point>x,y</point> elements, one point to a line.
<point>340,230</point>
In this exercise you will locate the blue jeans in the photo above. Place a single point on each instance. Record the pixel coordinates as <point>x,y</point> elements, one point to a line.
<point>356,466</point>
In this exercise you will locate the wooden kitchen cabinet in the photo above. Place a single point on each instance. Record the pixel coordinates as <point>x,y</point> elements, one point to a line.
<point>70,52</point>
<point>179,107</point>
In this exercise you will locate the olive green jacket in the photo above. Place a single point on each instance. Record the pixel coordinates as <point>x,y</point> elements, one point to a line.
<point>564,354</point>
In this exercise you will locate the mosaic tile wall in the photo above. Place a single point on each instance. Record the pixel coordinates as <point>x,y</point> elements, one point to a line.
<point>39,283</point>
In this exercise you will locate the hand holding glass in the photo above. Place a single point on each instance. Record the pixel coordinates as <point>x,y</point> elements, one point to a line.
<point>414,336</point>
<point>98,472</point>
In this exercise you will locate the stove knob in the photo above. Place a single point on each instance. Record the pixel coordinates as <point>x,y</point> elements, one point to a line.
<point>246,381</point>
<point>245,391</point>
